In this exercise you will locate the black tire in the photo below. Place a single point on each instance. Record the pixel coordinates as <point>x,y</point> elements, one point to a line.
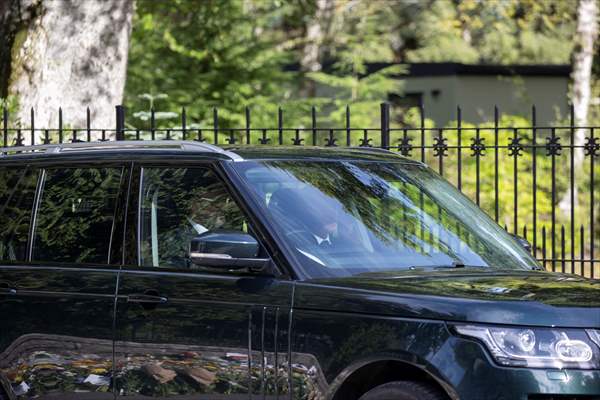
<point>404,390</point>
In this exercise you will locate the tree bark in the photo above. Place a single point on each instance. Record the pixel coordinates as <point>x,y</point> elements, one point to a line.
<point>64,53</point>
<point>582,59</point>
<point>315,35</point>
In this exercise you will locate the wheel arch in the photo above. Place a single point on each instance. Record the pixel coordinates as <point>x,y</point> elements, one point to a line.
<point>363,376</point>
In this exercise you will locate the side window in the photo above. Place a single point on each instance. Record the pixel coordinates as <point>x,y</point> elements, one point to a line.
<point>75,216</point>
<point>178,204</point>
<point>17,194</point>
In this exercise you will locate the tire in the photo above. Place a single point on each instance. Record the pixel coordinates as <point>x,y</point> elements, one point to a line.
<point>404,390</point>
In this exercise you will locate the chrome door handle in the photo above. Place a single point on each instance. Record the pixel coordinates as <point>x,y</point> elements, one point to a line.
<point>146,299</point>
<point>11,291</point>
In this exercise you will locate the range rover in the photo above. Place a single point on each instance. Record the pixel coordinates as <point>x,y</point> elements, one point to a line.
<point>181,270</point>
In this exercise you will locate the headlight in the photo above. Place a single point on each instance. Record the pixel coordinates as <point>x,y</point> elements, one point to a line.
<point>538,347</point>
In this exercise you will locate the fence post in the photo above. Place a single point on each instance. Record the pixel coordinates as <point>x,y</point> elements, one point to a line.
<point>5,127</point>
<point>385,125</point>
<point>32,116</point>
<point>280,124</point>
<point>422,118</point>
<point>348,129</point>
<point>459,146</point>
<point>248,122</point>
<point>60,125</point>
<point>120,118</point>
<point>534,171</point>
<point>183,123</point>
<point>215,125</point>
<point>88,124</point>
<point>313,113</point>
<point>152,123</point>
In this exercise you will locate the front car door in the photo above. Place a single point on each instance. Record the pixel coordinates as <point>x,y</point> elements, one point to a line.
<point>57,282</point>
<point>185,331</point>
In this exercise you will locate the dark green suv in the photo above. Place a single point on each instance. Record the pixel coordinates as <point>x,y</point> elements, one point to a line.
<point>180,270</point>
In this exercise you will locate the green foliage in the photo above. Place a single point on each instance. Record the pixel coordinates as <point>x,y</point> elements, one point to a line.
<point>10,103</point>
<point>205,54</point>
<point>158,115</point>
<point>501,32</point>
<point>442,40</point>
<point>231,54</point>
<point>362,93</point>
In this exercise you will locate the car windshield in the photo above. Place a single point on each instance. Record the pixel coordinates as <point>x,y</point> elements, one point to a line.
<point>345,218</point>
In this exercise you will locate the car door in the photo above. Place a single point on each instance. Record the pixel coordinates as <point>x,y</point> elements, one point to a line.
<point>185,331</point>
<point>57,282</point>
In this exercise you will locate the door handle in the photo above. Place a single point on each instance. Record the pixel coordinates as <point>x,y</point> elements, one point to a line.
<point>146,299</point>
<point>5,290</point>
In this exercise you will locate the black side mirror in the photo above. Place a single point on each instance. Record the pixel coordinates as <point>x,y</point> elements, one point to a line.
<point>230,250</point>
<point>523,242</point>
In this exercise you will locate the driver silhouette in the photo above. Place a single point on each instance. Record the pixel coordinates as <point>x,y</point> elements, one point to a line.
<point>307,217</point>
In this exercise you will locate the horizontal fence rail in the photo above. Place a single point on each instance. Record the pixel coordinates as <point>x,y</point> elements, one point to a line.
<point>536,181</point>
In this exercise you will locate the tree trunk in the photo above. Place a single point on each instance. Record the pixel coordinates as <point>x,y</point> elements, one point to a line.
<point>64,53</point>
<point>315,35</point>
<point>583,56</point>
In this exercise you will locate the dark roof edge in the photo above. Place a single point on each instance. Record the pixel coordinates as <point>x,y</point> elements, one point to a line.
<point>447,68</point>
<point>452,68</point>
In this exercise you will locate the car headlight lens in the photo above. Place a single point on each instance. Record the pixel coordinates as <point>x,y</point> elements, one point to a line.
<point>538,347</point>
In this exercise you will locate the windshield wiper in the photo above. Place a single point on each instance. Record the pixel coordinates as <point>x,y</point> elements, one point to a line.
<point>457,264</point>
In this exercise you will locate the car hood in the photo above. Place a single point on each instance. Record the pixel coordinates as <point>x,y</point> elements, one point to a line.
<point>524,298</point>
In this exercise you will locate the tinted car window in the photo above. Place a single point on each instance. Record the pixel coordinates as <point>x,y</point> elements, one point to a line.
<point>179,204</point>
<point>75,216</point>
<point>349,217</point>
<point>17,194</point>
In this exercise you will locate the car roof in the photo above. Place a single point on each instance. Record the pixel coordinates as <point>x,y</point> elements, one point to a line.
<point>262,152</point>
<point>178,147</point>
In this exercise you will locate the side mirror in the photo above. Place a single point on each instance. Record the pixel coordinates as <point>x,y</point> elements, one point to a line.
<point>230,250</point>
<point>523,242</point>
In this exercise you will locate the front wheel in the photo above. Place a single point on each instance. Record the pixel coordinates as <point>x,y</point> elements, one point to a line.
<point>404,390</point>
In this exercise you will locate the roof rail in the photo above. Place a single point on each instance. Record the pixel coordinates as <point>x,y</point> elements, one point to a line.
<point>183,145</point>
<point>373,149</point>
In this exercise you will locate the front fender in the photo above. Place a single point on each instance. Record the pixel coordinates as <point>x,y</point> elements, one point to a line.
<point>329,347</point>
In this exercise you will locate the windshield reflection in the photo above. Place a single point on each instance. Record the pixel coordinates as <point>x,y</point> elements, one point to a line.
<point>345,218</point>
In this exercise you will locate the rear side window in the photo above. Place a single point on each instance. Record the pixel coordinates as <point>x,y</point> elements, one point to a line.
<point>75,217</point>
<point>17,195</point>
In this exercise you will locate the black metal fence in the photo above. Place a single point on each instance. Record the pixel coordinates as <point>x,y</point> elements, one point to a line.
<point>537,181</point>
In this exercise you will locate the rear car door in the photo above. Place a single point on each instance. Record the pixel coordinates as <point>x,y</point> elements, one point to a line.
<point>58,280</point>
<point>185,331</point>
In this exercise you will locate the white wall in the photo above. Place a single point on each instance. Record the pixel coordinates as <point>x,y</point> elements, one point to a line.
<point>477,96</point>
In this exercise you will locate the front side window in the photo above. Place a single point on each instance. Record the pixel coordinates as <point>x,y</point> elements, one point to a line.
<point>347,218</point>
<point>17,194</point>
<point>75,216</point>
<point>177,205</point>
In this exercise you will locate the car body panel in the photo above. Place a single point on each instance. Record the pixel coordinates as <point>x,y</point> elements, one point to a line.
<point>345,341</point>
<point>345,329</point>
<point>56,335</point>
<point>209,337</point>
<point>526,298</point>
